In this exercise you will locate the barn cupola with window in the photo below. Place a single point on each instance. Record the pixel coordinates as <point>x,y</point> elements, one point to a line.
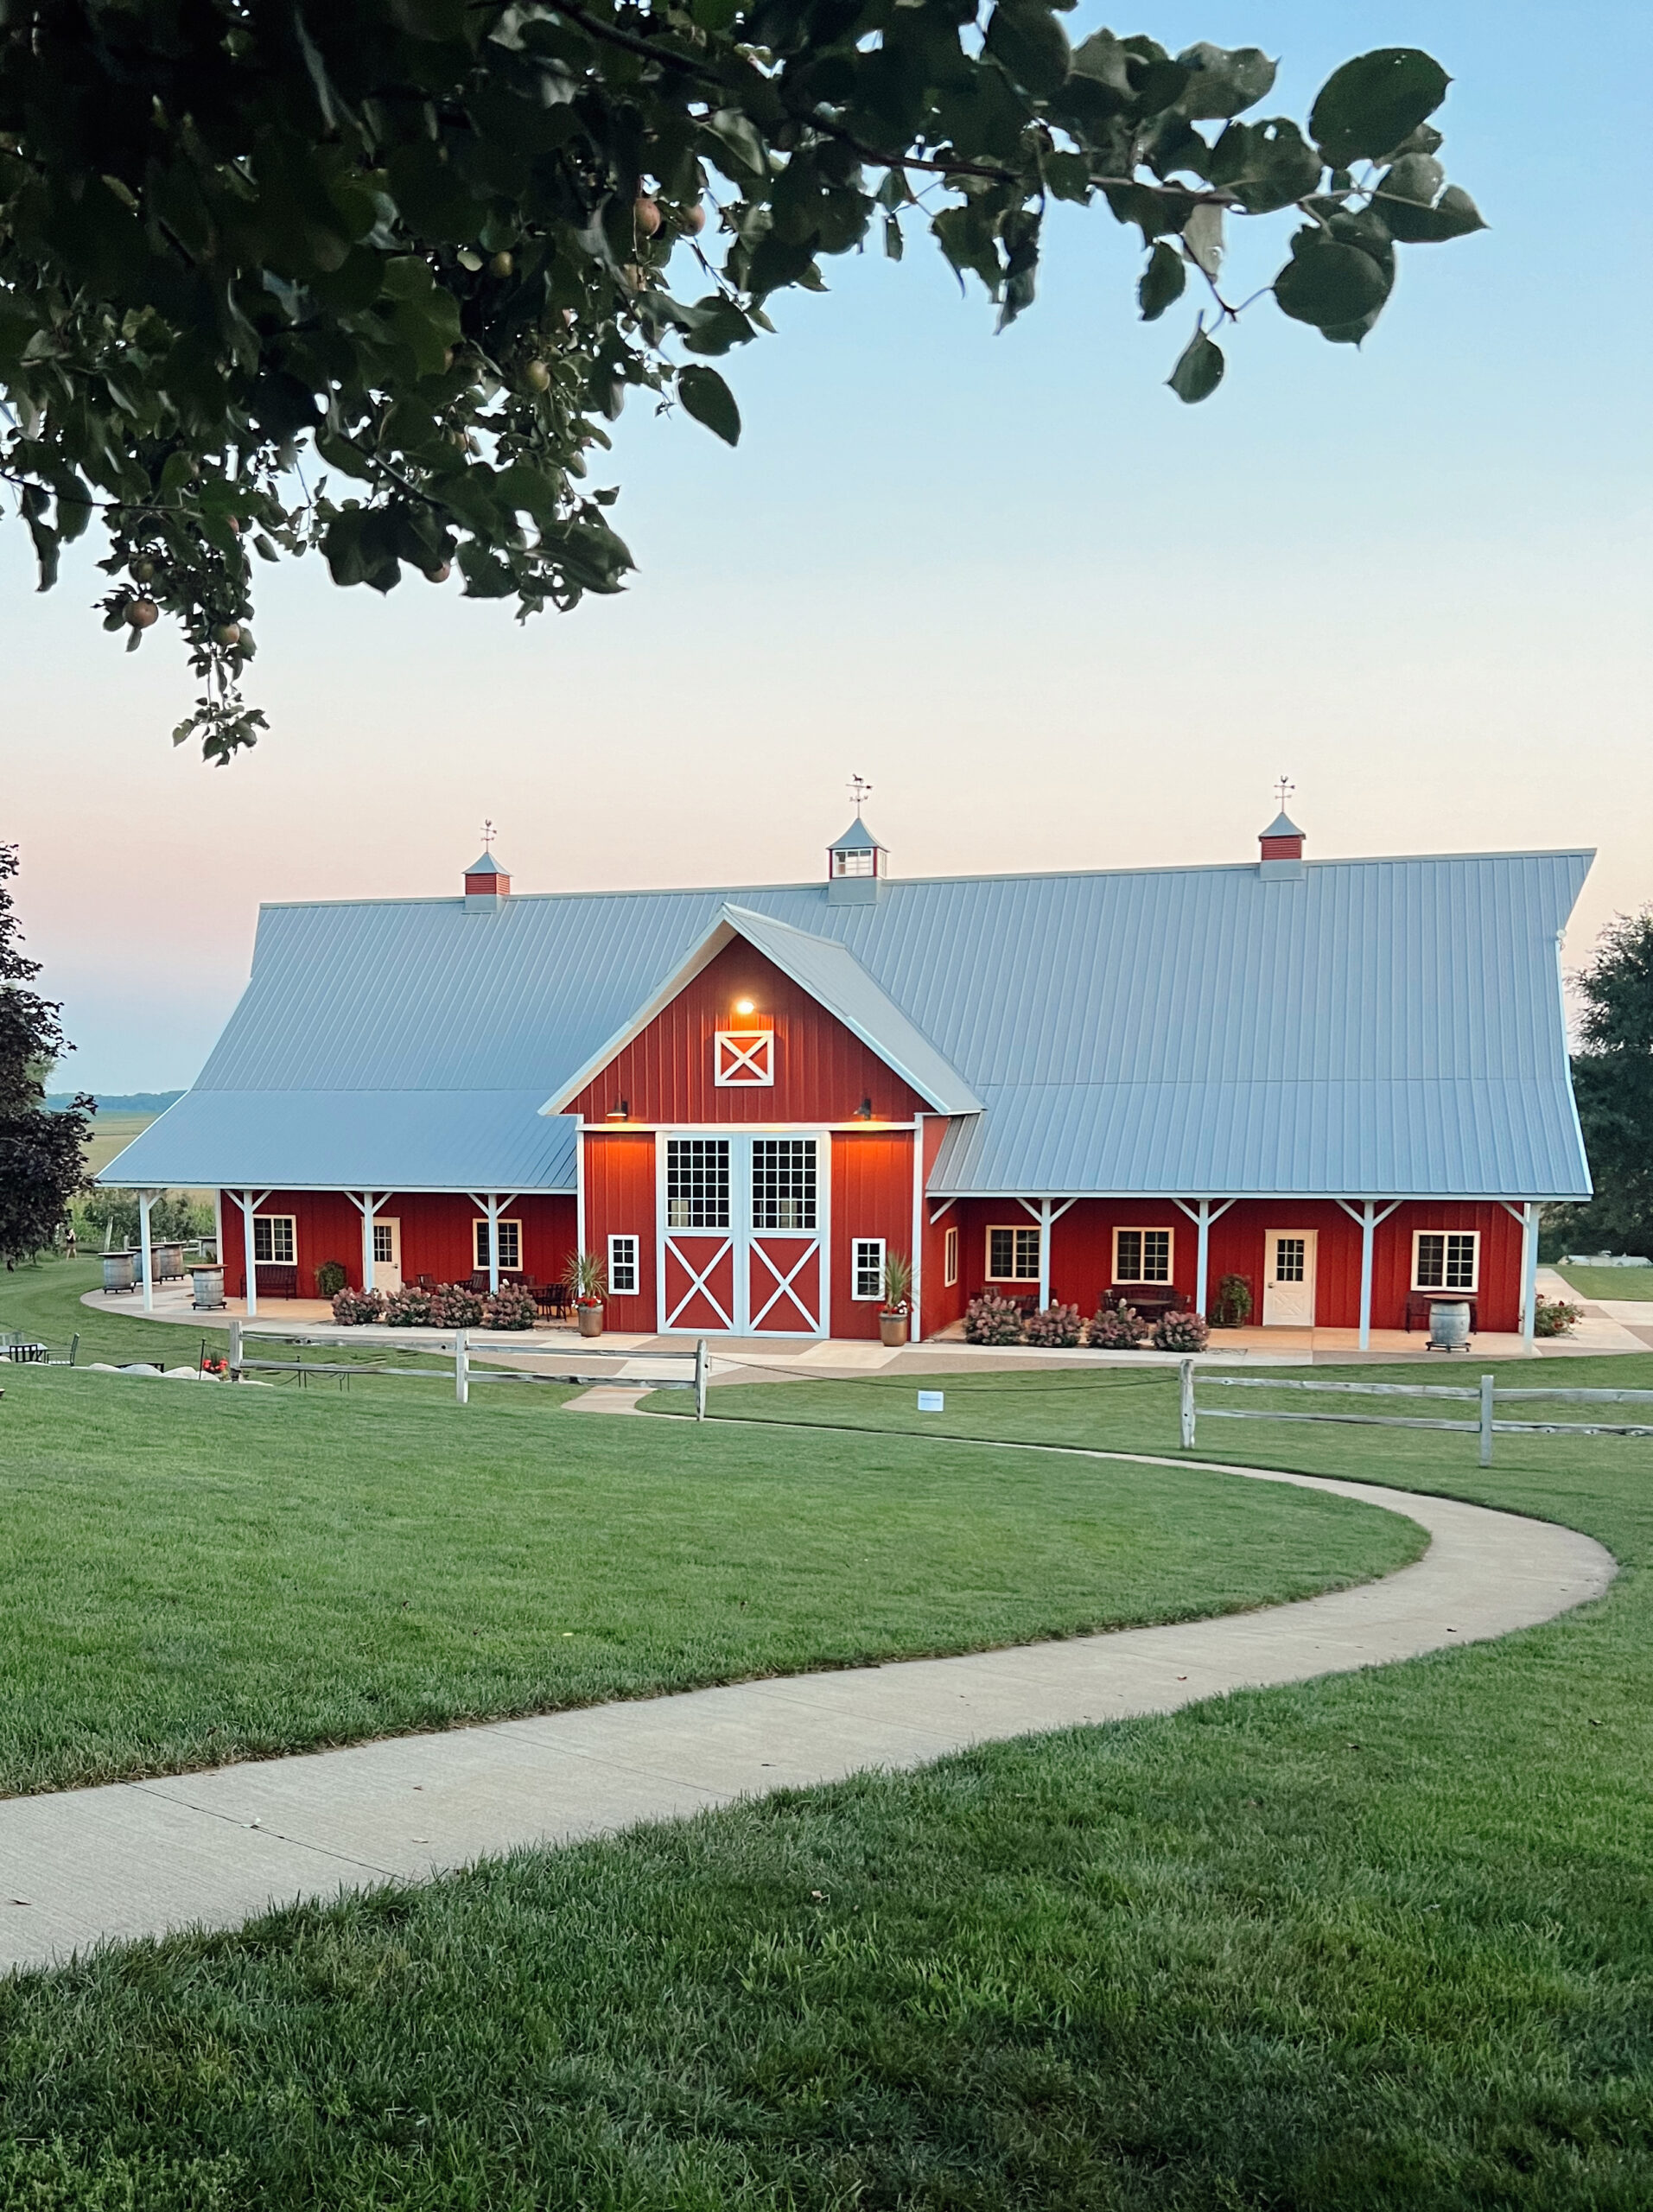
<point>1282,851</point>
<point>857,867</point>
<point>486,886</point>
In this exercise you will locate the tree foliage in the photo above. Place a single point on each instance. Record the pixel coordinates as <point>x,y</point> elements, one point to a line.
<point>371,277</point>
<point>42,1155</point>
<point>1612,1080</point>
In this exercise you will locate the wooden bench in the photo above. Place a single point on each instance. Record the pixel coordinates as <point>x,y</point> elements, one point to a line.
<point>276,1279</point>
<point>1150,1300</point>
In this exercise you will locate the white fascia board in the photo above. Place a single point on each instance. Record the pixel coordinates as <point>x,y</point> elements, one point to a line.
<point>1196,1192</point>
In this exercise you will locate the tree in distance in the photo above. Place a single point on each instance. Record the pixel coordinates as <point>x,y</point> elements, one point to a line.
<point>42,1155</point>
<point>1613,1082</point>
<point>430,244</point>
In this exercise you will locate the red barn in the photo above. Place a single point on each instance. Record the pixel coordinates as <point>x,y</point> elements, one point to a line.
<point>1341,1084</point>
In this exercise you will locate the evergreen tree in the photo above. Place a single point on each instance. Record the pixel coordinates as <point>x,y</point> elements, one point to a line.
<point>42,1155</point>
<point>1613,1080</point>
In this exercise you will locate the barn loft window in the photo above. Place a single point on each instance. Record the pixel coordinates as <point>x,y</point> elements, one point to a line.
<point>1012,1255</point>
<point>697,1182</point>
<point>783,1183</point>
<point>509,1243</point>
<point>1142,1255</point>
<point>275,1240</point>
<point>622,1266</point>
<point>1445,1259</point>
<point>868,1267</point>
<point>853,863</point>
<point>950,1258</point>
<point>743,1060</point>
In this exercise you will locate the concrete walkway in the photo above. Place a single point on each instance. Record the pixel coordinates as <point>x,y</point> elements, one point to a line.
<point>137,1859</point>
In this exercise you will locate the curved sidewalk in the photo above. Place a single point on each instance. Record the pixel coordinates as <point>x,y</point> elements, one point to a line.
<point>137,1858</point>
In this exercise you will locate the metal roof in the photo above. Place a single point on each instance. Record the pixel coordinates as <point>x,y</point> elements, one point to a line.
<point>1282,826</point>
<point>1374,1027</point>
<point>857,838</point>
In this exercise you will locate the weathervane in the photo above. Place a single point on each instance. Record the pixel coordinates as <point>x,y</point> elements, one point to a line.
<point>1284,788</point>
<point>489,832</point>
<point>861,788</point>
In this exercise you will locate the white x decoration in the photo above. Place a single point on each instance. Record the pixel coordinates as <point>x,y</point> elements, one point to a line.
<point>698,1282</point>
<point>744,1059</point>
<point>784,1285</point>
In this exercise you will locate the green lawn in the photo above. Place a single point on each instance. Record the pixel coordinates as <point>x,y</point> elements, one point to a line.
<point>1384,1941</point>
<point>1609,1282</point>
<point>194,1573</point>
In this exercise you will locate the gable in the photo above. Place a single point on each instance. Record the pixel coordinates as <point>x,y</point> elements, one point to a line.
<point>819,1070</point>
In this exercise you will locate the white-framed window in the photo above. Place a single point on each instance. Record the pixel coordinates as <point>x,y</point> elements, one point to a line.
<point>1012,1255</point>
<point>867,1266</point>
<point>855,863</point>
<point>744,1060</point>
<point>783,1182</point>
<point>509,1243</point>
<point>1445,1259</point>
<point>383,1244</point>
<point>697,1182</point>
<point>950,1257</point>
<point>1142,1255</point>
<point>275,1240</point>
<point>622,1266</point>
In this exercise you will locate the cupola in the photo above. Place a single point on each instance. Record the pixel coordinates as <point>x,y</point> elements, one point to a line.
<point>1283,850</point>
<point>856,867</point>
<point>486,886</point>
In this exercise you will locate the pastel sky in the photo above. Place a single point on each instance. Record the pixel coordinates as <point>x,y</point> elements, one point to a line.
<point>1057,619</point>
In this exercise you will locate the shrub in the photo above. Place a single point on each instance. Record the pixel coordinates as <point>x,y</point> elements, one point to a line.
<point>355,1308</point>
<point>1117,1328</point>
<point>898,1282</point>
<point>455,1305</point>
<point>1234,1304</point>
<point>1056,1325</point>
<point>330,1278</point>
<point>511,1307</point>
<point>585,1278</point>
<point>1554,1317</point>
<point>408,1307</point>
<point>993,1318</point>
<point>1181,1331</point>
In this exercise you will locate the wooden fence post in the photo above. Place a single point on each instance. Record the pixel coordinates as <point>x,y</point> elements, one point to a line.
<point>235,1352</point>
<point>700,1365</point>
<point>462,1368</point>
<point>1486,1420</point>
<point>1188,1405</point>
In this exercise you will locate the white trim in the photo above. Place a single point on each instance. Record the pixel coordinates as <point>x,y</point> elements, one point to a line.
<point>494,1223</point>
<point>950,1256</point>
<point>857,1246</point>
<point>1370,1220</point>
<point>749,1050</point>
<point>145,1200</point>
<point>579,1182</point>
<point>946,1206</point>
<point>249,1206</point>
<point>1010,1229</point>
<point>915,1288</point>
<point>367,1205</point>
<point>740,1239</point>
<point>1529,1275</point>
<point>1167,1230</point>
<point>624,1237</point>
<point>1471,1289</point>
<point>1202,1217</point>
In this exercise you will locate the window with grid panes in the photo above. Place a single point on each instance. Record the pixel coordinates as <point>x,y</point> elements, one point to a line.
<point>510,1244</point>
<point>384,1242</point>
<point>1142,1255</point>
<point>783,1183</point>
<point>867,1267</point>
<point>1012,1255</point>
<point>697,1182</point>
<point>622,1266</point>
<point>950,1258</point>
<point>855,863</point>
<point>274,1243</point>
<point>1445,1259</point>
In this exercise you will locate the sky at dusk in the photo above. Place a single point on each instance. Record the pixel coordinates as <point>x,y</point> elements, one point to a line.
<point>1056,619</point>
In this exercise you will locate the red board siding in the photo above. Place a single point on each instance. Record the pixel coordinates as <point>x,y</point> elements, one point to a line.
<point>619,1202</point>
<point>939,1305</point>
<point>823,1071</point>
<point>436,1234</point>
<point>872,1196</point>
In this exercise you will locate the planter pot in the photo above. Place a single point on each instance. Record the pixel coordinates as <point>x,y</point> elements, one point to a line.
<point>1448,1324</point>
<point>892,1331</point>
<point>590,1319</point>
<point>120,1274</point>
<point>207,1287</point>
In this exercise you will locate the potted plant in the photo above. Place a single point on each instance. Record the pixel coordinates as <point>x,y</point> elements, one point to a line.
<point>331,1277</point>
<point>586,1280</point>
<point>1233,1302</point>
<point>895,1319</point>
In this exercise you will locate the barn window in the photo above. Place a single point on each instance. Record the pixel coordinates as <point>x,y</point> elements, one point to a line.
<point>853,863</point>
<point>950,1258</point>
<point>743,1060</point>
<point>783,1183</point>
<point>697,1182</point>
<point>383,1244</point>
<point>867,1267</point>
<point>275,1240</point>
<point>1445,1259</point>
<point>1012,1255</point>
<point>622,1266</point>
<point>509,1243</point>
<point>1142,1255</point>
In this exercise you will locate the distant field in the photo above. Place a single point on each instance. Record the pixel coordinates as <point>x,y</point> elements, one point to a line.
<point>112,1133</point>
<point>1609,1282</point>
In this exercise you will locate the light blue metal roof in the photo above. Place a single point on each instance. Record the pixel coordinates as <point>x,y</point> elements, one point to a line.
<point>857,838</point>
<point>1376,1028</point>
<point>1282,826</point>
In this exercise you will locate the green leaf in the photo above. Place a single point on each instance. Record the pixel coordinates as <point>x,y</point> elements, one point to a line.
<point>1326,283</point>
<point>893,246</point>
<point>1163,280</point>
<point>1028,44</point>
<point>709,400</point>
<point>1203,236</point>
<point>1366,108</point>
<point>1224,82</point>
<point>1407,202</point>
<point>1199,371</point>
<point>1265,165</point>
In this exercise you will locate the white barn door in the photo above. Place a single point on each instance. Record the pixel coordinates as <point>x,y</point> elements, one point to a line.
<point>744,1228</point>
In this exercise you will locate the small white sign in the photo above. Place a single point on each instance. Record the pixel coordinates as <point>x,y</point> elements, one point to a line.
<point>931,1401</point>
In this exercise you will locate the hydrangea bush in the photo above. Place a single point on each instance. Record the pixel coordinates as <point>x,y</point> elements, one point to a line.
<point>408,1307</point>
<point>511,1307</point>
<point>992,1318</point>
<point>356,1308</point>
<point>455,1305</point>
<point>1117,1328</point>
<point>1181,1331</point>
<point>1055,1325</point>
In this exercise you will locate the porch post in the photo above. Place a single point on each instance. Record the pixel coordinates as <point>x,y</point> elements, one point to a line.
<point>1529,1273</point>
<point>1045,1253</point>
<point>244,1199</point>
<point>367,1204</point>
<point>1203,1265</point>
<point>493,1243</point>
<point>1368,1228</point>
<point>915,1288</point>
<point>145,1200</point>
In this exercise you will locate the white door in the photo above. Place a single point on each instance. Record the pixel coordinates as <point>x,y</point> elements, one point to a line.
<point>387,1254</point>
<point>743,1238</point>
<point>1288,1256</point>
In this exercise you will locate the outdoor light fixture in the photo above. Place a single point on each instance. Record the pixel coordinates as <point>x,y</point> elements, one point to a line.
<point>622,1112</point>
<point>745,1005</point>
<point>864,1111</point>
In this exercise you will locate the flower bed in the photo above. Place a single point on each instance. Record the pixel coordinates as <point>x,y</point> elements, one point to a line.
<point>357,1308</point>
<point>1181,1332</point>
<point>1055,1325</point>
<point>992,1318</point>
<point>1117,1328</point>
<point>511,1307</point>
